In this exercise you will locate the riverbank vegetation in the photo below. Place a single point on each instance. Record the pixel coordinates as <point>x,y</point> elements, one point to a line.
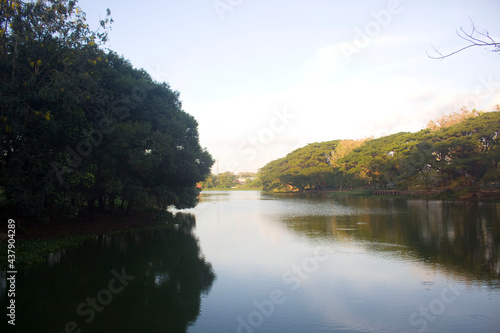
<point>35,241</point>
<point>457,155</point>
<point>244,181</point>
<point>81,127</point>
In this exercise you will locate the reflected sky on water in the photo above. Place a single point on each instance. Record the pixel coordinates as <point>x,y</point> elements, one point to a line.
<point>387,260</point>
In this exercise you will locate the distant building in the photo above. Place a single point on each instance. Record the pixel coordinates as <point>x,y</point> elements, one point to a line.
<point>243,180</point>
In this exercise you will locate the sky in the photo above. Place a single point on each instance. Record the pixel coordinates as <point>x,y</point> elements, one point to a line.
<point>264,78</point>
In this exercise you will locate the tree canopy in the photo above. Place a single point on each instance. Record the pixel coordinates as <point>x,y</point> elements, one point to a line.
<point>79,124</point>
<point>303,168</point>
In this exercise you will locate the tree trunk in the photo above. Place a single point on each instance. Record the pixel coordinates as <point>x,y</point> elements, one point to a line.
<point>129,206</point>
<point>111,205</point>
<point>90,205</point>
<point>102,204</point>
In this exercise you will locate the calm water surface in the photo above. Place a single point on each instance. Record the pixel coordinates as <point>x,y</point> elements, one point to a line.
<point>252,262</point>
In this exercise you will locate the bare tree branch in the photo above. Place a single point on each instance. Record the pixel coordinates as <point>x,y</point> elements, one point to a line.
<point>474,38</point>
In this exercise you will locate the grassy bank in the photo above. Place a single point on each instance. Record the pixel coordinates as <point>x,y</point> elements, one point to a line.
<point>34,242</point>
<point>465,194</point>
<point>213,189</point>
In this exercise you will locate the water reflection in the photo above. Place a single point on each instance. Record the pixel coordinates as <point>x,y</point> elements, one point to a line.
<point>167,276</point>
<point>463,238</point>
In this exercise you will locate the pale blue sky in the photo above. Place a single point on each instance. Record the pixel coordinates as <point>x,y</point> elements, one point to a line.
<point>266,77</point>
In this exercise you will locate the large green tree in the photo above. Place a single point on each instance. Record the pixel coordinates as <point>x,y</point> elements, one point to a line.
<point>79,124</point>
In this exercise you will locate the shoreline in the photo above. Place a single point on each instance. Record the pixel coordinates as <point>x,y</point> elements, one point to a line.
<point>34,241</point>
<point>480,196</point>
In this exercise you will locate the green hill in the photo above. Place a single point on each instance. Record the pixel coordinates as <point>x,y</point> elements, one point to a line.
<point>460,152</point>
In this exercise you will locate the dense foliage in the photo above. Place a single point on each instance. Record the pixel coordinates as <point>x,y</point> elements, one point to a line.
<point>229,180</point>
<point>79,124</point>
<point>303,168</point>
<point>455,152</point>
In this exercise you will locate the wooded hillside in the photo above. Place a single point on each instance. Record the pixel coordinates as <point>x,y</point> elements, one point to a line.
<point>456,152</point>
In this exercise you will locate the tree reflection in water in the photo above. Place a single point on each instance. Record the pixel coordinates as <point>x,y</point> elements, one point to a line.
<point>462,237</point>
<point>170,274</point>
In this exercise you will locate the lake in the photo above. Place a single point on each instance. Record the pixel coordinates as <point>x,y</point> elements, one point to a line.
<point>255,262</point>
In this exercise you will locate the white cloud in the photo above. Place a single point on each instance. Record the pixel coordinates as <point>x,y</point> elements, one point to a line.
<point>352,108</point>
<point>328,60</point>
